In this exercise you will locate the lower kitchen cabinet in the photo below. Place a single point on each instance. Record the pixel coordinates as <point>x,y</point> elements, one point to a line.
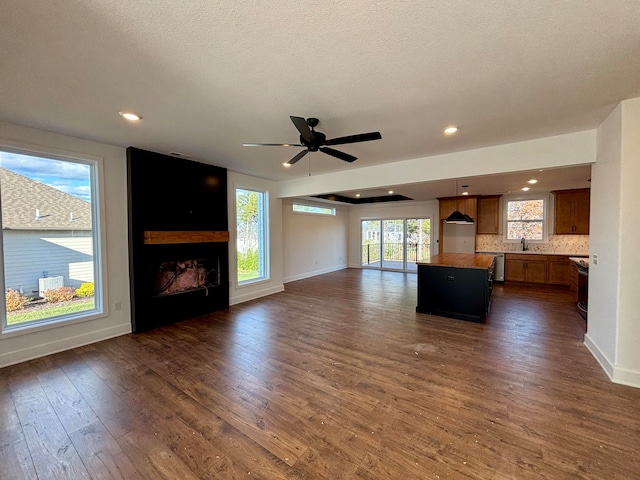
<point>559,270</point>
<point>526,268</point>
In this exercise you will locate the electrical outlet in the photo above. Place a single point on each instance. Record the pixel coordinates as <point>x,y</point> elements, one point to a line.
<point>595,258</point>
<point>117,306</point>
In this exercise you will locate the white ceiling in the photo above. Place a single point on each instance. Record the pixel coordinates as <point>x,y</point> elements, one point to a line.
<point>208,76</point>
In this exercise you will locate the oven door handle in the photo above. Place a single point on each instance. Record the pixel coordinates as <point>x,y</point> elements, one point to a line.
<point>582,307</point>
<point>584,273</point>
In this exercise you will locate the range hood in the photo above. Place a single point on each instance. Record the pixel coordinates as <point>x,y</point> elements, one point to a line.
<point>459,218</point>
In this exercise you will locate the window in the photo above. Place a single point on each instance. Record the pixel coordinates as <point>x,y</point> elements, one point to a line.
<point>526,219</point>
<point>50,225</point>
<point>251,235</point>
<point>299,207</point>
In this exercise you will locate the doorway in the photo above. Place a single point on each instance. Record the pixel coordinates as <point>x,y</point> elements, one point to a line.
<point>395,244</point>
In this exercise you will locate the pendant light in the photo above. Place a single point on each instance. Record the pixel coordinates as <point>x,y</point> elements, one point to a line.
<point>458,217</point>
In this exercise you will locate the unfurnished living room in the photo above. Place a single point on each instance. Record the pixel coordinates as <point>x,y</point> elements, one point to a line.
<point>320,240</point>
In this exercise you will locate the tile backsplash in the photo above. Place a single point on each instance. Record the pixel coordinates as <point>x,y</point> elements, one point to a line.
<point>571,244</point>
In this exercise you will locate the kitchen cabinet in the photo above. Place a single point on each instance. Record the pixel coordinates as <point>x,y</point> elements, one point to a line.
<point>526,268</point>
<point>465,204</point>
<point>489,215</point>
<point>573,281</point>
<point>572,211</point>
<point>559,270</point>
<point>456,285</point>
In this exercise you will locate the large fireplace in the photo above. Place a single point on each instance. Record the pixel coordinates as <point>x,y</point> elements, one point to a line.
<point>178,238</point>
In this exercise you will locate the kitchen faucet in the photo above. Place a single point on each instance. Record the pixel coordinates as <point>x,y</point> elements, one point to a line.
<point>524,244</point>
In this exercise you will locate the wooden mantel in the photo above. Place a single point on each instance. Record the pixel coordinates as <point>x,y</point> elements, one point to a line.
<point>169,237</point>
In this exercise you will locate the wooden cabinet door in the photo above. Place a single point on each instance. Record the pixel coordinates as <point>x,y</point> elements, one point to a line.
<point>573,281</point>
<point>488,214</point>
<point>515,270</point>
<point>468,206</point>
<point>564,212</point>
<point>581,208</point>
<point>559,270</point>
<point>447,207</point>
<point>536,271</point>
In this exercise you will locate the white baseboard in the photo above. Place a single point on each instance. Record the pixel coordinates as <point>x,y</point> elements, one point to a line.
<point>60,345</point>
<point>253,294</point>
<point>301,276</point>
<point>616,374</point>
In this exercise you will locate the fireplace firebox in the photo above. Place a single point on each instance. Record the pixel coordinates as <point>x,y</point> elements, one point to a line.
<point>178,238</point>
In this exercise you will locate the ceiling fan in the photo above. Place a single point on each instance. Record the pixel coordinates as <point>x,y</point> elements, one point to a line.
<point>317,141</point>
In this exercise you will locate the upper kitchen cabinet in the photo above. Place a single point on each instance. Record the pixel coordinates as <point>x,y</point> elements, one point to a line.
<point>489,214</point>
<point>572,211</point>
<point>467,204</point>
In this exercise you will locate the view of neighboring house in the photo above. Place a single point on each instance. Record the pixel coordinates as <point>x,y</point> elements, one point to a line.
<point>47,233</point>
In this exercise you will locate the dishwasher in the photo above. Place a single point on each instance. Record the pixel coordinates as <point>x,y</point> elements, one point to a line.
<point>498,274</point>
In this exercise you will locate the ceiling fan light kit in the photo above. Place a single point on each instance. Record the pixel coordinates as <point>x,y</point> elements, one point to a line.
<point>317,141</point>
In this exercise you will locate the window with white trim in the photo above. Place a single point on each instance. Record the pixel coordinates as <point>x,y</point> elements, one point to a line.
<point>526,218</point>
<point>251,235</point>
<point>302,208</point>
<point>51,259</point>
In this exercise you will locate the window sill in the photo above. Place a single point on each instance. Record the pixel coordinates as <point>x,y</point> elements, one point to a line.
<point>10,331</point>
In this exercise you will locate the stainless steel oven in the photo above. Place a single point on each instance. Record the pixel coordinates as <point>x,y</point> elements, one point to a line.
<point>583,290</point>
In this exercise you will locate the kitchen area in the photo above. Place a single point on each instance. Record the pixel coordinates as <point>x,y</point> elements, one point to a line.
<point>537,241</point>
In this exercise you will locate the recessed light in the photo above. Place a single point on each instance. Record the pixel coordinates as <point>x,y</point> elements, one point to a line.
<point>390,192</point>
<point>526,189</point>
<point>357,195</point>
<point>132,117</point>
<point>450,130</point>
<point>533,181</point>
<point>464,191</point>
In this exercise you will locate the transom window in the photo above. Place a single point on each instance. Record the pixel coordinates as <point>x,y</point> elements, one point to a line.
<point>525,219</point>
<point>302,208</point>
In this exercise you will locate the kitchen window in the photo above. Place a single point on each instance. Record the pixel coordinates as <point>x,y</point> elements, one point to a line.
<point>526,218</point>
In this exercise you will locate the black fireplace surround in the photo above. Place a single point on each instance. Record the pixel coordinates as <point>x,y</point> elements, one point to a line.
<point>178,238</point>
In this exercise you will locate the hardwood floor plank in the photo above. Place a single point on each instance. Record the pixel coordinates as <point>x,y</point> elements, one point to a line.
<point>15,458</point>
<point>152,458</point>
<point>73,411</point>
<point>101,454</point>
<point>52,452</point>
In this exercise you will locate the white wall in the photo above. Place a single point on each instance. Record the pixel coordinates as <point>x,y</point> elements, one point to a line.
<point>243,293</point>
<point>19,346</point>
<point>613,334</point>
<point>562,150</point>
<point>313,244</point>
<point>389,210</point>
<point>628,357</point>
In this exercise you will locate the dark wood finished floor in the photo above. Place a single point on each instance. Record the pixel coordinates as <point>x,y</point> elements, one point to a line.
<point>335,378</point>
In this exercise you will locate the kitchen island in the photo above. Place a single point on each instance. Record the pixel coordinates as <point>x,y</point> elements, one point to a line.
<point>456,285</point>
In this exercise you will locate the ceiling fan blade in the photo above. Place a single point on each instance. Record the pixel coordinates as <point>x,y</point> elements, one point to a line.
<point>297,157</point>
<point>362,137</point>
<point>303,128</point>
<point>341,155</point>
<point>272,145</point>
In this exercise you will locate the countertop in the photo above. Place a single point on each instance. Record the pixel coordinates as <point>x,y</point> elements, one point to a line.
<point>460,260</point>
<point>582,261</point>
<point>533,252</point>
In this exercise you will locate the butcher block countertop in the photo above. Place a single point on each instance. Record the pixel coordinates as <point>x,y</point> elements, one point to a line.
<point>460,260</point>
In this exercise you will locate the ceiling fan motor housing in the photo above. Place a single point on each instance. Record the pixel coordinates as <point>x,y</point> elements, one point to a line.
<point>317,141</point>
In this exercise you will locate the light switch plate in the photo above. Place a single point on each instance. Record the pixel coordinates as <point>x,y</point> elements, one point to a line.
<point>595,258</point>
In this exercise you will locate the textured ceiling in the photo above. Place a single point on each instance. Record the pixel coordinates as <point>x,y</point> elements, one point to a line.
<point>210,75</point>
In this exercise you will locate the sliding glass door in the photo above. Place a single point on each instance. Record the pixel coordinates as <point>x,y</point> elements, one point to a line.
<point>395,244</point>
